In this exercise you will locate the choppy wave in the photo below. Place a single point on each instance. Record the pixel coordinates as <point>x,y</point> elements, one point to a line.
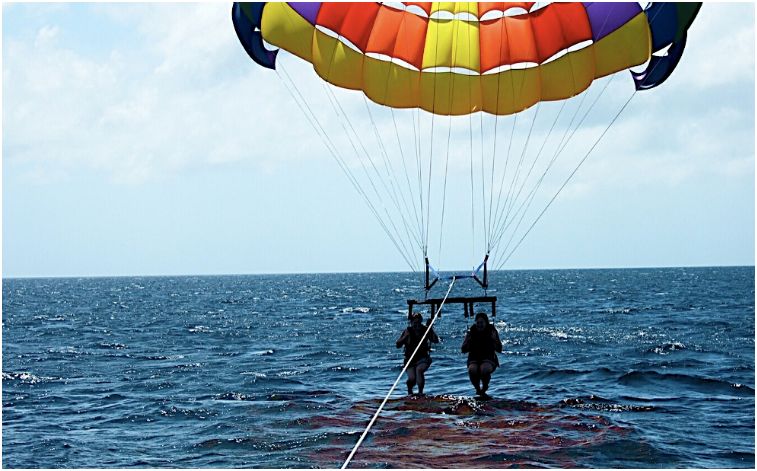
<point>667,347</point>
<point>286,371</point>
<point>269,351</point>
<point>27,378</point>
<point>690,382</point>
<point>600,404</point>
<point>359,309</point>
<point>557,374</point>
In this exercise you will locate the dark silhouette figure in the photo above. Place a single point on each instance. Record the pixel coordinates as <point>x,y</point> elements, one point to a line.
<point>482,344</point>
<point>418,365</point>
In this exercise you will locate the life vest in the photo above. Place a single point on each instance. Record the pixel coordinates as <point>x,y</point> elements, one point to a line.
<point>413,339</point>
<point>481,345</point>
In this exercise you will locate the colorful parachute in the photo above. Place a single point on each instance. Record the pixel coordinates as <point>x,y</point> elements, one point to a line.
<point>458,58</point>
<point>429,67</point>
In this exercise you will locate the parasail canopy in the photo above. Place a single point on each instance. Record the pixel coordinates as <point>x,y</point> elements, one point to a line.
<point>520,62</point>
<point>461,57</point>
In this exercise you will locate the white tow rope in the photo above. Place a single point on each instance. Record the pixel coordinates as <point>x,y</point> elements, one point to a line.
<point>396,381</point>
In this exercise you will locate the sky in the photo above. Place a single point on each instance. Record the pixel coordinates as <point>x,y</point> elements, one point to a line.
<point>139,139</point>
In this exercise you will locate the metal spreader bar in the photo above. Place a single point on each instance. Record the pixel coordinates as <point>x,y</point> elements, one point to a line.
<point>467,302</point>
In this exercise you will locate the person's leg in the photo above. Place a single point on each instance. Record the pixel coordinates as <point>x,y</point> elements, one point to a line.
<point>410,379</point>
<point>487,368</point>
<point>474,375</point>
<point>420,369</point>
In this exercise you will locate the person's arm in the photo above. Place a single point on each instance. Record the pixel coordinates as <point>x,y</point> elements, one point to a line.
<point>466,348</point>
<point>403,339</point>
<point>497,341</point>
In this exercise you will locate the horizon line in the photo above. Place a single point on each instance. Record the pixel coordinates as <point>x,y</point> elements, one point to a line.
<point>187,275</point>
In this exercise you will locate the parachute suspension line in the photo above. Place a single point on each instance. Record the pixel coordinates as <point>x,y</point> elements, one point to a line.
<point>392,194</point>
<point>506,222</point>
<point>588,153</point>
<point>515,97</point>
<point>336,108</point>
<point>431,148</point>
<point>538,155</point>
<point>567,136</point>
<point>444,184</point>
<point>307,111</point>
<point>383,152</point>
<point>399,144</point>
<point>430,159</point>
<point>483,177</point>
<point>566,143</point>
<point>491,182</point>
<point>389,166</point>
<point>473,207</point>
<point>508,199</point>
<point>315,123</point>
<point>418,163</point>
<point>428,182</point>
<point>492,220</point>
<point>339,112</point>
<point>470,139</point>
<point>505,208</point>
<point>502,30</point>
<point>345,123</point>
<point>407,176</point>
<point>355,182</point>
<point>453,53</point>
<point>434,316</point>
<point>390,174</point>
<point>402,155</point>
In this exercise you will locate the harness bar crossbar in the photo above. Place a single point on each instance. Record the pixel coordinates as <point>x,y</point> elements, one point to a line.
<point>467,303</point>
<point>483,283</point>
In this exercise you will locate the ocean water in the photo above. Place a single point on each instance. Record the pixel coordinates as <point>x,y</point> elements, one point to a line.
<point>639,368</point>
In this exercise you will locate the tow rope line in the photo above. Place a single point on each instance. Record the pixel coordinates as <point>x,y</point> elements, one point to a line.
<point>396,381</point>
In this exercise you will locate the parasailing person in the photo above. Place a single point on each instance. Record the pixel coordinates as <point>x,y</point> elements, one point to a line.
<point>417,364</point>
<point>482,343</point>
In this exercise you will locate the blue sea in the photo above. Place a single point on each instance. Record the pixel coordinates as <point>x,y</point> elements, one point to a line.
<point>632,368</point>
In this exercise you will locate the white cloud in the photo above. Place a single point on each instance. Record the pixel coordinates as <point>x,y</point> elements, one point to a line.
<point>720,47</point>
<point>170,91</point>
<point>45,35</point>
<point>178,96</point>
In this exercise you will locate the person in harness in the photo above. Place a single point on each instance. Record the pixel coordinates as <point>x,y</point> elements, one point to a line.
<point>482,344</point>
<point>418,364</point>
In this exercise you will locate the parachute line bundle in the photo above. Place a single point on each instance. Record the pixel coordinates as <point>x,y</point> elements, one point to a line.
<point>444,115</point>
